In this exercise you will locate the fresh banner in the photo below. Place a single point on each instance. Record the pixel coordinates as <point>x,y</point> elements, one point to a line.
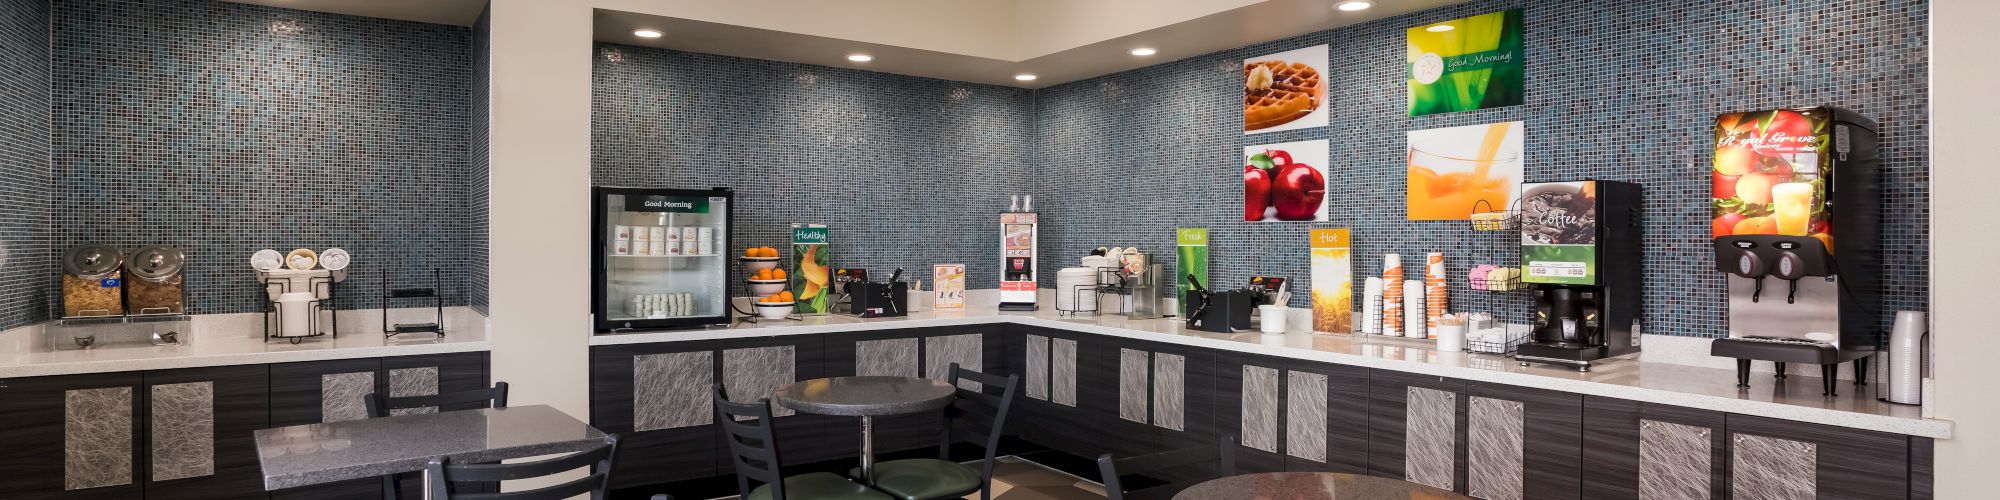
<point>1465,64</point>
<point>810,274</point>
<point>1332,281</point>
<point>1191,247</point>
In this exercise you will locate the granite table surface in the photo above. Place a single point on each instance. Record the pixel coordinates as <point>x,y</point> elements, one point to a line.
<point>1794,398</point>
<point>1310,486</point>
<point>304,455</point>
<point>865,396</point>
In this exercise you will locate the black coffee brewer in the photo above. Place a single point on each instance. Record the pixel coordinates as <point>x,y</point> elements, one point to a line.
<point>1222,312</point>
<point>1581,256</point>
<point>878,300</point>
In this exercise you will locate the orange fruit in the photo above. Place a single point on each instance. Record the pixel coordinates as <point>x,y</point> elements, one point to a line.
<point>777,274</point>
<point>785,296</point>
<point>1756,225</point>
<point>770,252</point>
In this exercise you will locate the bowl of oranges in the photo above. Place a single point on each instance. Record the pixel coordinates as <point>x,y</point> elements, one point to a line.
<point>767,282</point>
<point>776,306</point>
<point>757,259</point>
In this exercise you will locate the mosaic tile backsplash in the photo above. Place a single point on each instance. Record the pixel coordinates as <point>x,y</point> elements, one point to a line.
<point>1615,90</point>
<point>477,201</point>
<point>908,172</point>
<point>25,263</point>
<point>226,128</point>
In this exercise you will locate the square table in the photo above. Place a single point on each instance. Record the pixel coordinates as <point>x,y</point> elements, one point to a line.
<point>305,455</point>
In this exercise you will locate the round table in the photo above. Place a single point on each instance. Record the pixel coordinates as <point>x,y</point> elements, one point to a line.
<point>1310,486</point>
<point>866,397</point>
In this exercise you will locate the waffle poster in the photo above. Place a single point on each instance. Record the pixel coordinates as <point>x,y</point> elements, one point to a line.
<point>1332,281</point>
<point>1465,64</point>
<point>1285,91</point>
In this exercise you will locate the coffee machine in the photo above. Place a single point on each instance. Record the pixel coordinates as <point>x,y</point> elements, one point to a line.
<point>1221,312</point>
<point>1582,259</point>
<point>1797,231</point>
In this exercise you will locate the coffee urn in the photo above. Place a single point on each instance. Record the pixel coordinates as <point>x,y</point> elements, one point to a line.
<point>1581,256</point>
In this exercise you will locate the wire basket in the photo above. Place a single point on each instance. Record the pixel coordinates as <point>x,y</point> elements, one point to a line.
<point>1512,283</point>
<point>1494,220</point>
<point>1514,340</point>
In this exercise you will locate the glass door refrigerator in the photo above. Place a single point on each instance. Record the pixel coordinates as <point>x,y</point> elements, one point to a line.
<point>660,258</point>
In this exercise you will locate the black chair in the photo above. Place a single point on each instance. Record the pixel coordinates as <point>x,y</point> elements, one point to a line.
<point>1112,469</point>
<point>378,406</point>
<point>753,449</point>
<point>443,475</point>
<point>973,416</point>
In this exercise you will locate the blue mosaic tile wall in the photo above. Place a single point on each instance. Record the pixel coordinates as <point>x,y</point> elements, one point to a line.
<point>1615,90</point>
<point>477,201</point>
<point>906,171</point>
<point>25,263</point>
<point>226,128</point>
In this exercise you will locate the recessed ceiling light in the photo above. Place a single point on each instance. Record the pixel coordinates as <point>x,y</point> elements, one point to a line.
<point>1440,28</point>
<point>860,57</point>
<point>645,33</point>
<point>1144,51</point>
<point>1354,5</point>
<point>1025,77</point>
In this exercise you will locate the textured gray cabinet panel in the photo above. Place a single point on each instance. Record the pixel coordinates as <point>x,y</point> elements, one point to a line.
<point>1768,468</point>
<point>1170,391</point>
<point>1430,437</point>
<point>340,395</point>
<point>758,372</point>
<point>1674,461</point>
<point>1305,415</point>
<point>1062,372</point>
<point>1494,461</point>
<point>967,350</point>
<point>1037,367</point>
<point>183,430</point>
<point>887,357</point>
<point>419,381</point>
<point>671,390</point>
<point>97,437</point>
<point>1260,408</point>
<point>1132,382</point>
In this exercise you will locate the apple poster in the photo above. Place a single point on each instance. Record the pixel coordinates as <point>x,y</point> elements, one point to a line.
<point>1285,182</point>
<point>1456,171</point>
<point>1285,91</point>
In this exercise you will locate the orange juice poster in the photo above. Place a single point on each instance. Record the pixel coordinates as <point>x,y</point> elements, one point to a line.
<point>1456,171</point>
<point>1332,281</point>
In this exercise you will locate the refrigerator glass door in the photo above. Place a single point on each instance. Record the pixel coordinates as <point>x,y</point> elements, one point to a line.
<point>665,258</point>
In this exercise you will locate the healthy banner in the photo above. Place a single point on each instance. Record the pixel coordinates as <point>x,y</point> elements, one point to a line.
<point>1332,281</point>
<point>1465,64</point>
<point>1191,246</point>
<point>810,274</point>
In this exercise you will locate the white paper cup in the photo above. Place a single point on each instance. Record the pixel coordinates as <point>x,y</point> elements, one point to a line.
<point>1272,317</point>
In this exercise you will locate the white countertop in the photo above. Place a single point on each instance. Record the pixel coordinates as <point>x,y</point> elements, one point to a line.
<point>1794,398</point>
<point>236,339</point>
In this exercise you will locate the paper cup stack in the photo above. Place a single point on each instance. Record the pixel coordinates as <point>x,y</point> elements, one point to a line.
<point>1434,292</point>
<point>1392,295</point>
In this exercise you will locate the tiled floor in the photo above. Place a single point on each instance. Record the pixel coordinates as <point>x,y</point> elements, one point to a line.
<point>1016,479</point>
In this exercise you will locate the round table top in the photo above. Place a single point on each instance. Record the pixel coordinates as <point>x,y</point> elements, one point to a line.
<point>865,396</point>
<point>1310,486</point>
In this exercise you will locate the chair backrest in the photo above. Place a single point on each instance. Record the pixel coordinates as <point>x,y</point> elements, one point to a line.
<point>379,404</point>
<point>753,443</point>
<point>977,416</point>
<point>441,474</point>
<point>1222,454</point>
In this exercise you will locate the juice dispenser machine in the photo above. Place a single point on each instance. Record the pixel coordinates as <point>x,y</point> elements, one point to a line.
<point>1018,238</point>
<point>1797,218</point>
<point>1581,256</point>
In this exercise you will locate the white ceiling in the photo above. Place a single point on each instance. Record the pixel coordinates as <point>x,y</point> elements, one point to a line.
<point>982,41</point>
<point>452,12</point>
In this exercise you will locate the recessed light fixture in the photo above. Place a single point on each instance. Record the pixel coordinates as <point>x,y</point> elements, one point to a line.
<point>1026,77</point>
<point>1440,28</point>
<point>1354,5</point>
<point>647,33</point>
<point>1144,51</point>
<point>860,57</point>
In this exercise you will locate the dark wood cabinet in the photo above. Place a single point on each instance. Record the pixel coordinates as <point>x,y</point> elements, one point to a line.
<point>762,366</point>
<point>1057,420</point>
<point>1416,428</point>
<point>1770,458</point>
<point>656,397</point>
<point>188,460</point>
<point>1664,451</point>
<point>1250,404</point>
<point>321,391</point>
<point>1523,442</point>
<point>1334,439</point>
<point>72,436</point>
<point>434,374</point>
<point>891,352</point>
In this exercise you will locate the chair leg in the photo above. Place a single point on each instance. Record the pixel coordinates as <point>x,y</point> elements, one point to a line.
<point>1830,373</point>
<point>391,490</point>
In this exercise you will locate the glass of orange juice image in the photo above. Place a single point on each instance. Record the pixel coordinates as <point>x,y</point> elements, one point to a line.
<point>1452,170</point>
<point>1791,204</point>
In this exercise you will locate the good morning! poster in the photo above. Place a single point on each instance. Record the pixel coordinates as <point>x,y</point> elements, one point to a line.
<point>1465,64</point>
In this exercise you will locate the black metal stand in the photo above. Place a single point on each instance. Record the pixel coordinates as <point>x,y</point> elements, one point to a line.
<point>272,314</point>
<point>437,327</point>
